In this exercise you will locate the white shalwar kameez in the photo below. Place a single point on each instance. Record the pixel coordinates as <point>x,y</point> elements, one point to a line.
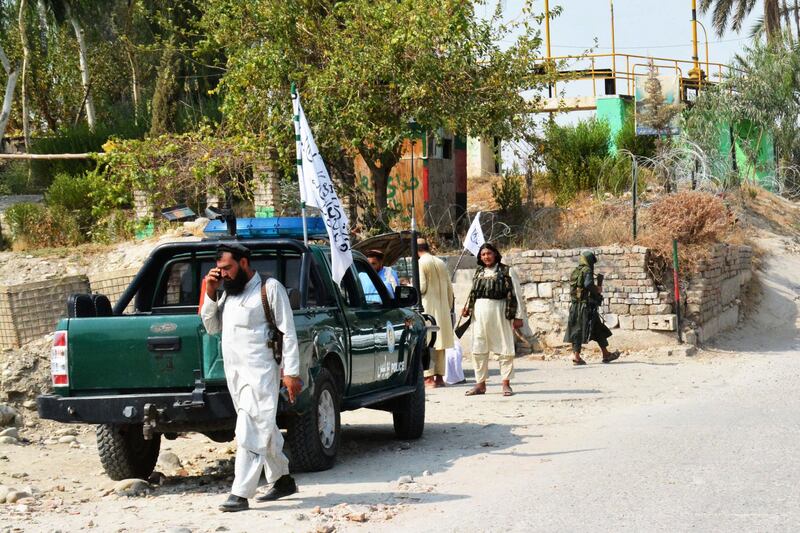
<point>253,376</point>
<point>492,332</point>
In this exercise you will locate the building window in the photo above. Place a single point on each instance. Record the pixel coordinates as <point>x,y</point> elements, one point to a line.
<point>447,148</point>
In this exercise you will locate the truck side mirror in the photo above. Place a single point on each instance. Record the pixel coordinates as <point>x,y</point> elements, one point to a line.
<point>405,296</point>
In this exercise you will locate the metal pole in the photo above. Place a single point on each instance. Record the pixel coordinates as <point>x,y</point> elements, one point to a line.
<point>695,57</point>
<point>635,194</point>
<point>414,249</point>
<point>613,46</point>
<point>677,287</point>
<point>547,42</point>
<point>458,263</point>
<point>547,26</point>
<point>299,161</point>
<point>705,37</point>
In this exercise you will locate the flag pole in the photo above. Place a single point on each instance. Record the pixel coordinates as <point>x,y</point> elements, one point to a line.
<point>299,161</point>
<point>458,263</point>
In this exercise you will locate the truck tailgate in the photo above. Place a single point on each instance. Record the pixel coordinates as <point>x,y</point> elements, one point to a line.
<point>134,352</point>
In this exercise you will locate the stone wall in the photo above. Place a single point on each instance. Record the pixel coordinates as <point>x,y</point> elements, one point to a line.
<point>712,300</point>
<point>633,299</point>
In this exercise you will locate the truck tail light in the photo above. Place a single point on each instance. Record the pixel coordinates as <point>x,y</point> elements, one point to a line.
<point>58,360</point>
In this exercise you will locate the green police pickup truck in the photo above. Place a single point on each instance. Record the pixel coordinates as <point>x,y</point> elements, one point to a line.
<point>156,373</point>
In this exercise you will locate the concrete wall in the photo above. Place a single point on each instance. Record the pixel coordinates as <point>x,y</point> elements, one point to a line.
<point>481,158</point>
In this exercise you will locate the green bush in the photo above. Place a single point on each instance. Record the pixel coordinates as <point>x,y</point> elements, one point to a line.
<point>638,145</point>
<point>574,156</point>
<point>14,178</point>
<point>507,193</point>
<point>74,194</point>
<point>39,226</point>
<point>115,226</point>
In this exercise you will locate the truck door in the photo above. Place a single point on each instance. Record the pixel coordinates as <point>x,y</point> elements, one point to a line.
<point>389,325</point>
<point>361,317</point>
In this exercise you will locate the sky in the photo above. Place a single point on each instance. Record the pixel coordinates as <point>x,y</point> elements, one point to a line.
<point>660,28</point>
<point>645,27</point>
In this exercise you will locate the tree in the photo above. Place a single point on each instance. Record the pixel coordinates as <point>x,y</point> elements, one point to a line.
<point>365,68</point>
<point>762,92</point>
<point>734,12</point>
<point>12,73</point>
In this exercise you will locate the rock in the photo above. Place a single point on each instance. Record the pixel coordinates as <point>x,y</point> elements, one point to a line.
<point>488,444</point>
<point>405,446</point>
<point>132,487</point>
<point>685,350</point>
<point>222,528</point>
<point>51,441</point>
<point>426,473</point>
<point>7,415</point>
<point>75,444</point>
<point>22,508</point>
<point>10,432</point>
<point>8,440</point>
<point>299,517</point>
<point>402,480</point>
<point>16,495</point>
<point>325,528</point>
<point>156,478</point>
<point>357,517</point>
<point>169,460</point>
<point>29,404</point>
<point>316,510</point>
<point>4,490</point>
<point>179,530</point>
<point>67,432</point>
<point>66,439</point>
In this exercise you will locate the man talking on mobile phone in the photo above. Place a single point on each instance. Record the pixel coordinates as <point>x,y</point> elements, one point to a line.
<point>252,369</point>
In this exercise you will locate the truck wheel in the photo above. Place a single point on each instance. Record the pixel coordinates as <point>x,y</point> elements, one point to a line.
<point>313,437</point>
<point>124,453</point>
<point>409,415</point>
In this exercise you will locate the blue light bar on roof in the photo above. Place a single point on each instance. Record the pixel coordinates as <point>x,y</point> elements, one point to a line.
<point>255,228</point>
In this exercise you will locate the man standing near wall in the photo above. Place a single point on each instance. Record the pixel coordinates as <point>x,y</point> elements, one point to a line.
<point>437,299</point>
<point>584,323</point>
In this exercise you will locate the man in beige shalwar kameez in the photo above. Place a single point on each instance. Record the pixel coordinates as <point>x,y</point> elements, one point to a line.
<point>437,299</point>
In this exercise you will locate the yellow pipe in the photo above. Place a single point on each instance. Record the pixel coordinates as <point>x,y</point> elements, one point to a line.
<point>547,25</point>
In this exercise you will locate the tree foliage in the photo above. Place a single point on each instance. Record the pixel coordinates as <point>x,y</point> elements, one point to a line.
<point>365,68</point>
<point>763,93</point>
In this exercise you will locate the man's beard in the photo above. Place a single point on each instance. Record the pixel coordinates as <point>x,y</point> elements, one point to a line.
<point>236,285</point>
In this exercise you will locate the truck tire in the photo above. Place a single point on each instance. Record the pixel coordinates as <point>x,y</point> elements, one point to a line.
<point>409,415</point>
<point>313,437</point>
<point>124,453</point>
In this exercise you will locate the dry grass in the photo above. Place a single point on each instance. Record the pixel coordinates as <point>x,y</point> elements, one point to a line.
<point>696,220</point>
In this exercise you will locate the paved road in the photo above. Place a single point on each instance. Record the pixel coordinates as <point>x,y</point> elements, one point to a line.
<point>710,444</point>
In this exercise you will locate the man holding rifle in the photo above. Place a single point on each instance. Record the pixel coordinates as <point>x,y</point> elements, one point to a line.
<point>585,324</point>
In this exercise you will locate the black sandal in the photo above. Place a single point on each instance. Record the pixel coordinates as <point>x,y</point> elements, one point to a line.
<point>578,362</point>
<point>611,357</point>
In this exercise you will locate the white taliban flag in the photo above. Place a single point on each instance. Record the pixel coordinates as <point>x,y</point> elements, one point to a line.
<point>316,190</point>
<point>474,238</point>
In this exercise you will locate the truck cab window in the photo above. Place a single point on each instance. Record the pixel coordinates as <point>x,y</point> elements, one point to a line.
<point>375,293</point>
<point>177,286</point>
